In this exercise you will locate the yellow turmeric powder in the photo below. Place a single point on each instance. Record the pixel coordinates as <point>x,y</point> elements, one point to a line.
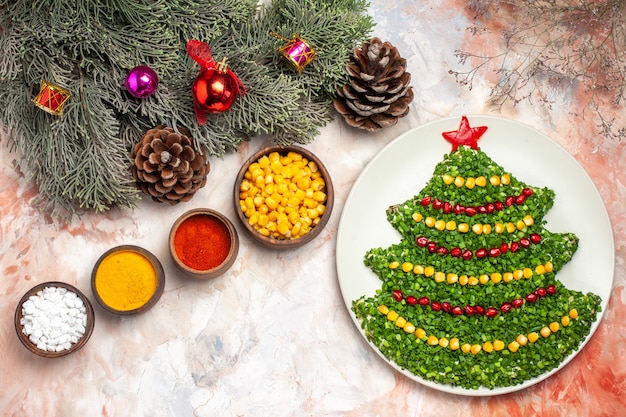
<point>125,280</point>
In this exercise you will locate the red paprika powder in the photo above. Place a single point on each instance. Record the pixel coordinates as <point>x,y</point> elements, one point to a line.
<point>202,242</point>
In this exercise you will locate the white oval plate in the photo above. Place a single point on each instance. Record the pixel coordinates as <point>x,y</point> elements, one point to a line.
<point>403,168</point>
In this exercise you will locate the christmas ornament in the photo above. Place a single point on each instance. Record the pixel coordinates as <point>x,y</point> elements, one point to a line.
<point>379,92</point>
<point>141,81</point>
<point>167,167</point>
<point>297,52</point>
<point>465,135</point>
<point>216,87</point>
<point>51,98</point>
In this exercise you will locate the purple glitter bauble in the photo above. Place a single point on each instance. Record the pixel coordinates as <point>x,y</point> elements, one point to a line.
<point>141,81</point>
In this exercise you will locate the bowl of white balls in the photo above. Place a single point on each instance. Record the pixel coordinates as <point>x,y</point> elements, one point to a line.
<point>54,319</point>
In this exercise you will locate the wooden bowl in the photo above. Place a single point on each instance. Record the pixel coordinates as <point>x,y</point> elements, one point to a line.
<point>199,233</point>
<point>125,262</point>
<point>33,347</point>
<point>284,242</point>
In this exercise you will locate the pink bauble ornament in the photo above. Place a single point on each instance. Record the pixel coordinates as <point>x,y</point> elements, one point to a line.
<point>141,81</point>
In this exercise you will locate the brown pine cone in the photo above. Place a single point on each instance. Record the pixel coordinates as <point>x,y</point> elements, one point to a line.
<point>379,92</point>
<point>167,167</point>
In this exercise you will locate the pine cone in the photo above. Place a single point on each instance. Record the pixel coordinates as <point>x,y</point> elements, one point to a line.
<point>379,92</point>
<point>167,167</point>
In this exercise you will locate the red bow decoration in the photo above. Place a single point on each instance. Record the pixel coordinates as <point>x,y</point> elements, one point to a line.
<point>216,87</point>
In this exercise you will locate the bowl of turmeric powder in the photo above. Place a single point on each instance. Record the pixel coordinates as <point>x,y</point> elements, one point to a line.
<point>127,279</point>
<point>203,243</point>
<point>283,196</point>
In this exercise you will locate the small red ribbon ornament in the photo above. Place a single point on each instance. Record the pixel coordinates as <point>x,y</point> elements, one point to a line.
<point>216,87</point>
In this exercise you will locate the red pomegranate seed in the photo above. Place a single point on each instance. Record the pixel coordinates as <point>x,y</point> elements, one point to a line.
<point>481,253</point>
<point>470,311</point>
<point>437,204</point>
<point>456,252</point>
<point>479,310</point>
<point>458,209</point>
<point>519,200</point>
<point>491,312</point>
<point>499,205</point>
<point>442,250</point>
<point>541,292</point>
<point>447,207</point>
<point>470,211</point>
<point>397,295</point>
<point>527,192</point>
<point>481,209</point>
<point>423,301</point>
<point>514,247</point>
<point>467,254</point>
<point>421,241</point>
<point>432,246</point>
<point>517,303</point>
<point>426,201</point>
<point>551,289</point>
<point>504,248</point>
<point>435,306</point>
<point>531,298</point>
<point>490,207</point>
<point>535,238</point>
<point>457,311</point>
<point>508,201</point>
<point>411,300</point>
<point>506,307</point>
<point>445,306</point>
<point>524,242</point>
<point>494,252</point>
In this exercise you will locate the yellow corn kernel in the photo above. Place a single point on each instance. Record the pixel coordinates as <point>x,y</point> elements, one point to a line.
<point>486,229</point>
<point>392,316</point>
<point>484,278</point>
<point>554,327</point>
<point>488,347</point>
<point>466,348</point>
<point>263,209</point>
<point>418,269</point>
<point>481,181</point>
<point>259,181</point>
<point>313,166</point>
<point>249,202</point>
<point>454,344</point>
<point>475,349</point>
<point>249,212</point>
<point>394,264</point>
<point>573,313</point>
<point>432,340</point>
<point>505,179</point>
<point>319,196</point>
<point>284,228</point>
<point>264,162</point>
<point>318,184</point>
<point>274,156</point>
<point>565,321</point>
<point>417,217</point>
<point>440,224</point>
<point>429,271</point>
<point>528,220</point>
<point>498,345</point>
<point>264,231</point>
<point>470,183</point>
<point>407,266</point>
<point>507,277</point>
<point>522,340</point>
<point>451,225</point>
<point>518,274</point>
<point>459,181</point>
<point>383,309</point>
<point>533,337</point>
<point>439,277</point>
<point>548,266</point>
<point>499,228</point>
<point>276,167</point>
<point>477,228</point>
<point>510,227</point>
<point>520,225</point>
<point>463,228</point>
<point>400,322</point>
<point>540,269</point>
<point>472,281</point>
<point>309,202</point>
<point>496,277</point>
<point>447,179</point>
<point>513,346</point>
<point>420,333</point>
<point>254,219</point>
<point>528,273</point>
<point>463,279</point>
<point>263,220</point>
<point>494,180</point>
<point>296,230</point>
<point>282,188</point>
<point>409,328</point>
<point>545,331</point>
<point>452,278</point>
<point>430,221</point>
<point>271,203</point>
<point>443,342</point>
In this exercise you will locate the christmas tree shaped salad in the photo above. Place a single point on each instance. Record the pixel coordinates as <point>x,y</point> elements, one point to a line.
<point>470,295</point>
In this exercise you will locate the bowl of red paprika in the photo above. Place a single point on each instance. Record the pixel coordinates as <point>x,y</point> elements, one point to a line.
<point>203,243</point>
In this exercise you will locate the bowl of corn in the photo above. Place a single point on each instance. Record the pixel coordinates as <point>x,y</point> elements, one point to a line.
<point>283,196</point>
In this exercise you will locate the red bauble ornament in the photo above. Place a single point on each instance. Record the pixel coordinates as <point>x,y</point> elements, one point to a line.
<point>215,91</point>
<point>216,87</point>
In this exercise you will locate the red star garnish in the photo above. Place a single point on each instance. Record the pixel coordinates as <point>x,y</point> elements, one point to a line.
<point>465,135</point>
